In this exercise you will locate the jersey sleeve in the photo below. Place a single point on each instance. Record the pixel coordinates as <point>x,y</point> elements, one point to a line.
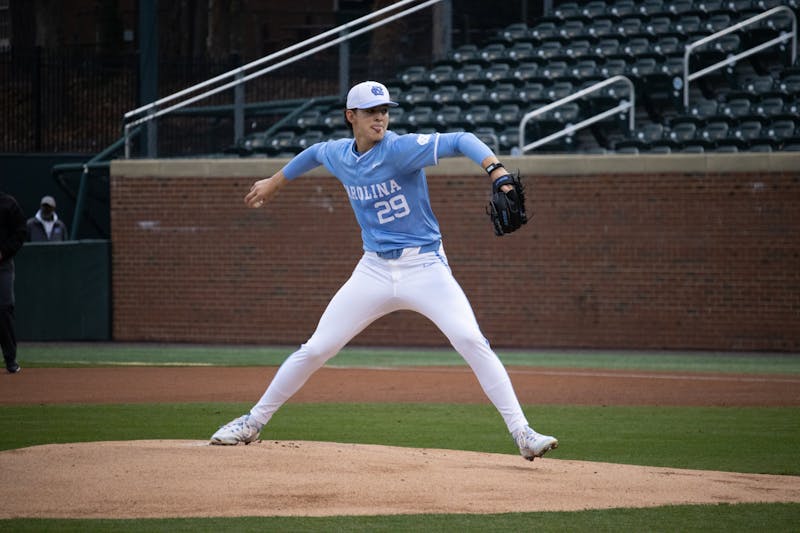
<point>414,151</point>
<point>463,143</point>
<point>308,159</point>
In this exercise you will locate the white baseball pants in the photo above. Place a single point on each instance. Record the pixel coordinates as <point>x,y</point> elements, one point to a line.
<point>415,281</point>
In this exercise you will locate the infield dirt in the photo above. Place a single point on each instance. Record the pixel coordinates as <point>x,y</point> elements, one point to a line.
<point>138,479</point>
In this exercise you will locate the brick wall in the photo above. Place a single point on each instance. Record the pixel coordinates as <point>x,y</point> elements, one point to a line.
<point>621,253</point>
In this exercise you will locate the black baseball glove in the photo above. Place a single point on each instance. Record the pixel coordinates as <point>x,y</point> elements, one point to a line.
<point>507,209</point>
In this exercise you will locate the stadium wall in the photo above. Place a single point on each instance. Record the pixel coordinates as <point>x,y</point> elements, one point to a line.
<point>694,251</point>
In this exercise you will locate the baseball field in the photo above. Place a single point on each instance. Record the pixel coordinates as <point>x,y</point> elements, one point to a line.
<point>99,437</point>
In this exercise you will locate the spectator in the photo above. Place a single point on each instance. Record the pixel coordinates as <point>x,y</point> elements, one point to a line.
<point>45,225</point>
<point>12,235</point>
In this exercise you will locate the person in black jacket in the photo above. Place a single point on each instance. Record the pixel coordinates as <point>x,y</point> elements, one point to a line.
<point>45,225</point>
<point>12,234</point>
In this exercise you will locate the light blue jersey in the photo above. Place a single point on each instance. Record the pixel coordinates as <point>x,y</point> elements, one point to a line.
<point>386,185</point>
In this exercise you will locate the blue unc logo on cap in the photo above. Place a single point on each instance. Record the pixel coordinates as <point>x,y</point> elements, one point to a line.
<point>368,94</point>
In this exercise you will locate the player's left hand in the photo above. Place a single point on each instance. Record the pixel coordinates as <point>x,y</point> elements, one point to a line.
<point>506,209</point>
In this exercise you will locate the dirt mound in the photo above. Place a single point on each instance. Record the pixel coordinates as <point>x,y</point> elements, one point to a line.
<point>143,479</point>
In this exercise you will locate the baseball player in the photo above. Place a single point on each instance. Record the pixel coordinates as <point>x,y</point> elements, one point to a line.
<point>404,265</point>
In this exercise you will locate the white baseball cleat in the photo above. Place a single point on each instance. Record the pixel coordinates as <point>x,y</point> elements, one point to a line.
<point>236,431</point>
<point>532,444</point>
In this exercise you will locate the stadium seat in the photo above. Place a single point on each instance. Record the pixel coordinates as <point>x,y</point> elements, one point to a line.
<point>334,119</point>
<point>555,70</point>
<point>420,117</point>
<point>308,138</point>
<point>414,75</point>
<point>769,106</point>
<point>571,29</point>
<point>558,90</point>
<point>567,10</point>
<point>667,45</point>
<point>630,26</point>
<point>469,74</point>
<point>717,22</point>
<point>658,25</point>
<point>440,75</point>
<point>532,91</point>
<point>508,114</point>
<point>516,33</point>
<point>502,93</point>
<point>682,131</point>
<point>497,73</point>
<point>464,54</point>
<point>414,96</point>
<point>652,7</point>
<point>479,115</point>
<point>679,7</point>
<point>579,49</point>
<point>445,95</point>
<point>593,9</point>
<point>543,31</point>
<point>508,138</point>
<point>550,49</point>
<point>525,71</point>
<point>748,130</point>
<point>521,52</point>
<point>622,8</point>
<point>492,53</point>
<point>473,94</point>
<point>702,110</point>
<point>311,118</point>
<point>607,47</point>
<point>781,129</point>
<point>636,47</point>
<point>282,141</point>
<point>714,131</point>
<point>614,67</point>
<point>601,28</point>
<point>585,69</point>
<point>736,109</point>
<point>449,116</point>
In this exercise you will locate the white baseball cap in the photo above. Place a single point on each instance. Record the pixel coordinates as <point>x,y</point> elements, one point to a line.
<point>368,94</point>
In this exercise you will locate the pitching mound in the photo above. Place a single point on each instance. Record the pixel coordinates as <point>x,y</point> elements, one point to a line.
<point>143,479</point>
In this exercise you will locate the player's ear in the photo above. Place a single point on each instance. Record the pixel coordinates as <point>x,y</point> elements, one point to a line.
<point>349,116</point>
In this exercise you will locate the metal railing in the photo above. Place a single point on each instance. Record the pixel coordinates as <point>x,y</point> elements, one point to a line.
<point>624,105</point>
<point>784,36</point>
<point>149,112</point>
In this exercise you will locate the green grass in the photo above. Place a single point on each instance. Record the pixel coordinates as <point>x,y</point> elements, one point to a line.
<point>711,438</point>
<point>685,518</point>
<point>699,438</point>
<point>107,354</point>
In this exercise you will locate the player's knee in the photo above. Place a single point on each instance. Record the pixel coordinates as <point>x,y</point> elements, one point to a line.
<point>315,353</point>
<point>470,343</point>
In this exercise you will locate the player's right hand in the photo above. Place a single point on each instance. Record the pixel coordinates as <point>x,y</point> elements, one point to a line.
<point>262,191</point>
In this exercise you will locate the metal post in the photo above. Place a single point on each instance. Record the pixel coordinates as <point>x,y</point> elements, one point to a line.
<point>76,219</point>
<point>344,65</point>
<point>148,66</point>
<point>238,111</point>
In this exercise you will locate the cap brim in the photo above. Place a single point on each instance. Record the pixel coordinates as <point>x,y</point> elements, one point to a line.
<point>376,103</point>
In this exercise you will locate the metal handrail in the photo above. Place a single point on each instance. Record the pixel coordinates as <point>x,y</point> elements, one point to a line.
<point>152,111</point>
<point>734,58</point>
<point>624,105</point>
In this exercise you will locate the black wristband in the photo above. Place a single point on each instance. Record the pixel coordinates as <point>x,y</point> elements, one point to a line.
<point>494,166</point>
